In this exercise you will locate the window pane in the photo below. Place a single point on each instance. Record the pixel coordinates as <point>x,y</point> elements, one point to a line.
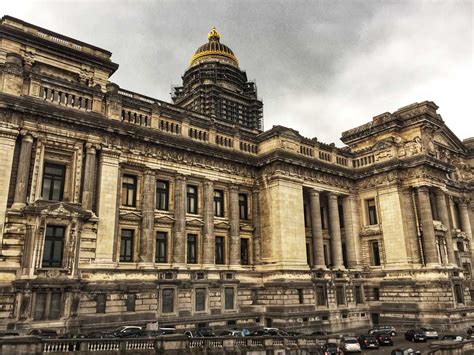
<point>219,250</point>
<point>229,298</point>
<point>126,245</point>
<point>53,246</point>
<point>131,302</point>
<point>101,300</point>
<point>167,301</point>
<point>53,181</point>
<point>192,258</point>
<point>161,247</point>
<point>244,251</point>
<point>243,207</point>
<point>162,193</point>
<point>55,305</point>
<point>200,299</point>
<point>40,306</point>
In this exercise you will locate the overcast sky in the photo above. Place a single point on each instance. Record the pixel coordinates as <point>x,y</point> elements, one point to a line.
<point>321,67</point>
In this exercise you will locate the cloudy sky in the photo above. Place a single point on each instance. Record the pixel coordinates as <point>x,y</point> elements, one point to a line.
<point>321,67</point>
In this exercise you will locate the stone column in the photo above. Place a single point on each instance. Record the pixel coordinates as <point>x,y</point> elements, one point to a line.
<point>410,226</point>
<point>317,230</point>
<point>89,178</point>
<point>351,227</point>
<point>147,236</point>
<point>257,254</point>
<point>466,226</point>
<point>208,238</point>
<point>335,230</point>
<point>426,217</point>
<point>179,240</point>
<point>107,205</point>
<point>234,225</point>
<point>444,217</point>
<point>23,173</point>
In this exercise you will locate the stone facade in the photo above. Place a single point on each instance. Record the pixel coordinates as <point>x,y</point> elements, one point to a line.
<point>119,208</point>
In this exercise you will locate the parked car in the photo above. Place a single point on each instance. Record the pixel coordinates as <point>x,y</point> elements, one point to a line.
<point>415,335</point>
<point>9,333</point>
<point>126,331</point>
<point>331,348</point>
<point>206,332</point>
<point>319,333</point>
<point>167,330</point>
<point>384,338</point>
<point>268,332</point>
<point>293,333</point>
<point>405,351</point>
<point>44,333</point>
<point>384,328</point>
<point>430,333</point>
<point>193,334</point>
<point>368,342</point>
<point>100,335</point>
<point>144,333</point>
<point>350,345</point>
<point>230,333</point>
<point>453,337</point>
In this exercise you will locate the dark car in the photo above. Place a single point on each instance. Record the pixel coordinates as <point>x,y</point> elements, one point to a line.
<point>368,342</point>
<point>453,337</point>
<point>415,335</point>
<point>206,332</point>
<point>143,333</point>
<point>384,338</point>
<point>126,331</point>
<point>384,328</point>
<point>193,334</point>
<point>331,348</point>
<point>319,333</point>
<point>44,333</point>
<point>100,335</point>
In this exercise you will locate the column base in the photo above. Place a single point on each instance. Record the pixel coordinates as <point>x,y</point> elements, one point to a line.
<point>433,265</point>
<point>18,206</point>
<point>338,268</point>
<point>320,267</point>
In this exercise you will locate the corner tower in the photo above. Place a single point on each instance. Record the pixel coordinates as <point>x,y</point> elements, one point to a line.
<point>214,85</point>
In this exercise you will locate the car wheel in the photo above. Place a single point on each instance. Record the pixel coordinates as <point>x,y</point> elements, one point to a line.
<point>392,334</point>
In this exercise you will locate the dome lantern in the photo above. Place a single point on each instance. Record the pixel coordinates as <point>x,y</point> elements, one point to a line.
<point>213,51</point>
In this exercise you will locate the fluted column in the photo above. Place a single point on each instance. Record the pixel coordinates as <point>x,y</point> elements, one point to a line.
<point>335,230</point>
<point>444,217</point>
<point>429,239</point>
<point>351,227</point>
<point>179,240</point>
<point>89,178</point>
<point>208,229</point>
<point>23,172</point>
<point>145,254</point>
<point>466,226</point>
<point>256,228</point>
<point>316,230</point>
<point>234,254</point>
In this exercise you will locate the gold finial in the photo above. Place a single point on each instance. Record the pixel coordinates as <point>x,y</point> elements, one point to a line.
<point>214,35</point>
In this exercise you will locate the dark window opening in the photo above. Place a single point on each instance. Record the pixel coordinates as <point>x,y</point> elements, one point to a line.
<point>359,297</point>
<point>375,253</point>
<point>340,295</point>
<point>376,294</point>
<point>244,251</point>
<point>161,254</point>
<point>229,298</point>
<point>131,298</point>
<point>321,297</point>
<point>129,190</point>
<point>162,195</point>
<point>200,298</point>
<point>101,300</point>
<point>192,251</point>
<point>126,245</point>
<point>300,296</point>
<point>167,299</point>
<point>218,203</point>
<point>53,246</point>
<point>192,199</point>
<point>220,251</point>
<point>243,206</point>
<point>372,211</point>
<point>53,181</point>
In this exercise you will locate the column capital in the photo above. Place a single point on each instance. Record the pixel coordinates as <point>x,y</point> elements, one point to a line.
<point>208,183</point>
<point>314,192</point>
<point>233,188</point>
<point>26,136</point>
<point>332,195</point>
<point>180,177</point>
<point>149,172</point>
<point>423,188</point>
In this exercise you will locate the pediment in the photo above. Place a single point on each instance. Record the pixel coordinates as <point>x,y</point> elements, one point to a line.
<point>130,215</point>
<point>195,222</point>
<point>61,209</point>
<point>164,219</point>
<point>245,227</point>
<point>221,225</point>
<point>444,137</point>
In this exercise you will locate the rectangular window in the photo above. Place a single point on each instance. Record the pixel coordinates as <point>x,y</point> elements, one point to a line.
<point>244,251</point>
<point>359,297</point>
<point>167,299</point>
<point>229,298</point>
<point>200,298</point>
<point>243,207</point>
<point>161,255</point>
<point>321,296</point>
<point>131,298</point>
<point>40,306</point>
<point>192,251</point>
<point>53,181</point>
<point>218,203</point>
<point>375,253</point>
<point>300,296</point>
<point>376,293</point>
<point>55,305</point>
<point>340,295</point>
<point>162,195</point>
<point>254,296</point>
<point>192,199</point>
<point>220,251</point>
<point>129,190</point>
<point>101,300</point>
<point>341,216</point>
<point>371,212</point>
<point>458,292</point>
<point>126,245</point>
<point>53,246</point>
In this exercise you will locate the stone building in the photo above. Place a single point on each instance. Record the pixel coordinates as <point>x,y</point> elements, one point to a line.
<point>120,208</point>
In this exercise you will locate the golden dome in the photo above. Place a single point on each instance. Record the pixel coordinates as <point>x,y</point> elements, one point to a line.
<point>214,50</point>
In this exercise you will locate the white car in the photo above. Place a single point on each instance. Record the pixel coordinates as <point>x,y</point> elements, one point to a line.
<point>430,333</point>
<point>350,345</point>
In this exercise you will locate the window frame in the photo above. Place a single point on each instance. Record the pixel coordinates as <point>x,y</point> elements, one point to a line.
<point>218,202</point>
<point>321,301</point>
<point>225,303</point>
<point>48,305</point>
<point>244,254</point>
<point>62,181</point>
<point>204,301</point>
<point>375,258</point>
<point>162,195</point>
<point>162,243</point>
<point>124,258</point>
<point>222,261</point>
<point>192,199</point>
<point>173,300</point>
<point>372,217</point>
<point>101,304</point>
<point>127,187</point>
<point>243,207</point>
<point>341,297</point>
<point>194,259</point>
<point>54,240</point>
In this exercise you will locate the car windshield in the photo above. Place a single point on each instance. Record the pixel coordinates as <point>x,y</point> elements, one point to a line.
<point>351,341</point>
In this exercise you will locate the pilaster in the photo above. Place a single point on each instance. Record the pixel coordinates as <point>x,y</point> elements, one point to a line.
<point>23,173</point>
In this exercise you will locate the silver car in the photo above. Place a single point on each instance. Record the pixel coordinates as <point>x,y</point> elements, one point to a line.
<point>350,345</point>
<point>430,333</point>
